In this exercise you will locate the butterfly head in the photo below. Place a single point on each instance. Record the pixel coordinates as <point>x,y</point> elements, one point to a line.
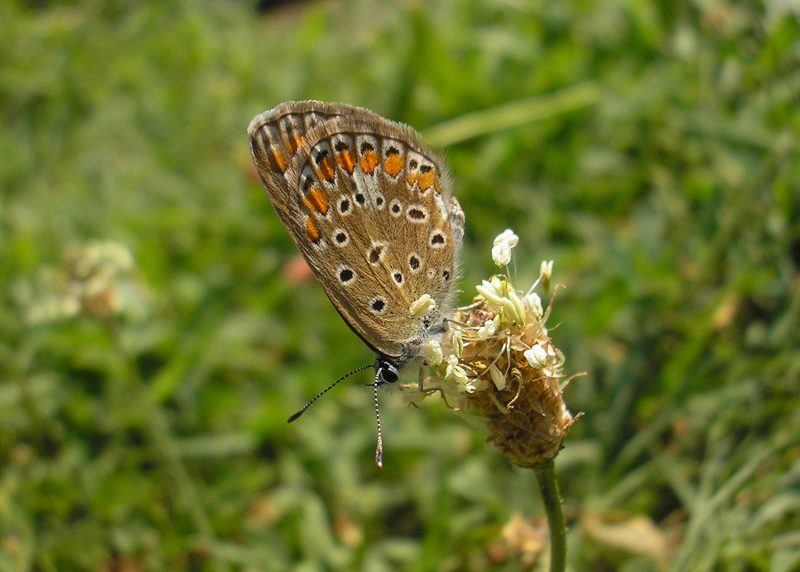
<point>386,370</point>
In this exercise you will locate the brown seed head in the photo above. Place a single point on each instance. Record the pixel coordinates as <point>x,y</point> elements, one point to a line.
<point>499,363</point>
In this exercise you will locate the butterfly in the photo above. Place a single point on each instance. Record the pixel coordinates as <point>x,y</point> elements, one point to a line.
<point>370,208</point>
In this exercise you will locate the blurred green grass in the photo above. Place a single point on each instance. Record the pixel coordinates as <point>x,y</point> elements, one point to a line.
<point>668,198</point>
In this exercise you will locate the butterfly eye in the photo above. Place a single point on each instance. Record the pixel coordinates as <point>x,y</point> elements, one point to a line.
<point>388,376</point>
<point>386,371</point>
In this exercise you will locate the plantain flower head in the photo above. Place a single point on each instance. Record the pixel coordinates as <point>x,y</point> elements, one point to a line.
<point>498,361</point>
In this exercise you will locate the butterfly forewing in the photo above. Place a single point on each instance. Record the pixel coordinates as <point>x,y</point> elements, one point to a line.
<point>275,136</point>
<point>370,209</point>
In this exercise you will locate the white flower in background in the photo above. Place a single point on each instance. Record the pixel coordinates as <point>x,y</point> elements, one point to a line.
<point>97,279</point>
<point>501,249</point>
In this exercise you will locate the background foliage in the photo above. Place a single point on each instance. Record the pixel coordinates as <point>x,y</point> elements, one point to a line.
<point>649,148</point>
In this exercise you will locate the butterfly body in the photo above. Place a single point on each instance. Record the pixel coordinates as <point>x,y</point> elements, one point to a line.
<point>370,208</point>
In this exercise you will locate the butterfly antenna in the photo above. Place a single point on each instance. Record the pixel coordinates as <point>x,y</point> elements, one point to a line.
<point>326,390</point>
<point>379,447</point>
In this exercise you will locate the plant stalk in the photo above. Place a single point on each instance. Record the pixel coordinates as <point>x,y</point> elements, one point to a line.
<point>551,497</point>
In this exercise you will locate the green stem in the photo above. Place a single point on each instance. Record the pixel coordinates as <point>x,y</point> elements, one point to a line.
<point>551,497</point>
<point>513,114</point>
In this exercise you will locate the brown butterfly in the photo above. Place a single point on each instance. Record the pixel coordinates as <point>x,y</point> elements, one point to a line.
<point>370,208</point>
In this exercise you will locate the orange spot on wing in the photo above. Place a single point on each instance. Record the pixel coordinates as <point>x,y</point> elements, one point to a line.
<point>277,160</point>
<point>293,139</point>
<point>425,180</point>
<point>316,201</point>
<point>393,164</point>
<point>412,178</point>
<point>326,169</point>
<point>368,162</point>
<point>312,230</point>
<point>345,160</point>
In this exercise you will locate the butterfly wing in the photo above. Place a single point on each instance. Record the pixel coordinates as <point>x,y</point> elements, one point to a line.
<point>370,209</point>
<point>275,137</point>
